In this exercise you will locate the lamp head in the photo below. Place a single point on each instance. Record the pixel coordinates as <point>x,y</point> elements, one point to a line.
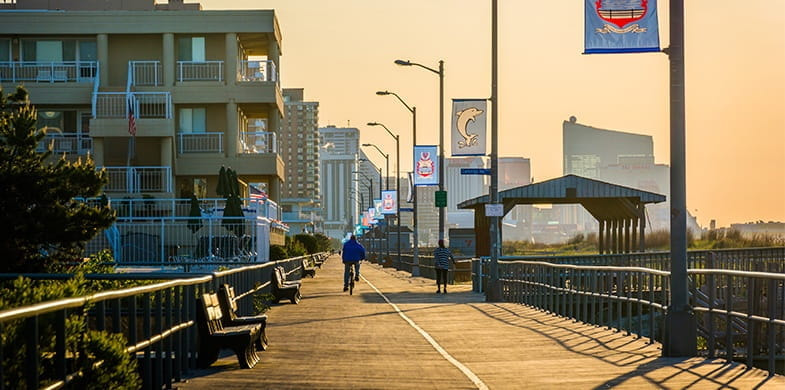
<point>382,93</point>
<point>373,124</point>
<point>367,145</point>
<point>403,63</point>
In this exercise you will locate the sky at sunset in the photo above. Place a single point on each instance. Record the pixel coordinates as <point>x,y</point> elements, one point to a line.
<point>342,52</point>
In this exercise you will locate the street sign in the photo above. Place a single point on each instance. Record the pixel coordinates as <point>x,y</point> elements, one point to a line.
<point>494,210</point>
<point>409,209</point>
<point>475,171</point>
<point>441,199</point>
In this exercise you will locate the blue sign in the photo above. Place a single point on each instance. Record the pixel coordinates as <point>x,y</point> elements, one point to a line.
<point>621,26</point>
<point>475,171</point>
<point>409,209</point>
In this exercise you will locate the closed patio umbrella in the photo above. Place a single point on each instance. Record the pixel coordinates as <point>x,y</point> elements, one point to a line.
<point>195,222</point>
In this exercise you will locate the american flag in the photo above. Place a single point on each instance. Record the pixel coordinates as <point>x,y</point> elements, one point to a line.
<point>131,118</point>
<point>256,193</point>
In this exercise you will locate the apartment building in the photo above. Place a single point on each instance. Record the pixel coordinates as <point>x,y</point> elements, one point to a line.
<point>161,95</point>
<point>299,147</point>
<point>339,159</point>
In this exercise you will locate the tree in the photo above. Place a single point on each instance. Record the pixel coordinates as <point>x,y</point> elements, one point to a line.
<point>44,223</point>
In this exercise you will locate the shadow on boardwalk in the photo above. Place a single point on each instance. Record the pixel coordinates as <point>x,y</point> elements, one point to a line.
<point>335,341</point>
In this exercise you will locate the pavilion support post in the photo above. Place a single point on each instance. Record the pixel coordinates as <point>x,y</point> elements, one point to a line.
<point>627,227</point>
<point>643,227</point>
<point>601,236</point>
<point>609,239</point>
<point>634,238</point>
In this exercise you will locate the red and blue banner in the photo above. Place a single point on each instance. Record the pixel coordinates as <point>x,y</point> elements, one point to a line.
<point>621,26</point>
<point>426,172</point>
<point>389,204</point>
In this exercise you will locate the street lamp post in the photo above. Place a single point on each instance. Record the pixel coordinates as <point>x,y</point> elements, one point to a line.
<point>386,225</point>
<point>370,193</point>
<point>416,254</point>
<point>440,73</point>
<point>397,183</point>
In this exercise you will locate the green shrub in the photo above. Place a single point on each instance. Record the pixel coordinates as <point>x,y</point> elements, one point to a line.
<point>309,242</point>
<point>278,252</point>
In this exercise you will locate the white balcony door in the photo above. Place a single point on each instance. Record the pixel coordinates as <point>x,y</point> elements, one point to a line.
<point>192,49</point>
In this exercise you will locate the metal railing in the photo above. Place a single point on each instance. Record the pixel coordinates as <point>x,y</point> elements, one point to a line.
<point>139,179</point>
<point>740,314</point>
<point>48,72</point>
<point>200,71</point>
<point>110,105</point>
<point>152,104</point>
<point>257,71</point>
<point>258,142</point>
<point>156,320</point>
<point>146,73</point>
<point>66,143</point>
<point>209,142</point>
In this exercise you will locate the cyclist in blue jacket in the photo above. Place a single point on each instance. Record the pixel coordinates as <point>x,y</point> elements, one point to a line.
<point>352,253</point>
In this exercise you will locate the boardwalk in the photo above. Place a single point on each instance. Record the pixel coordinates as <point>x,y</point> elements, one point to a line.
<point>453,341</point>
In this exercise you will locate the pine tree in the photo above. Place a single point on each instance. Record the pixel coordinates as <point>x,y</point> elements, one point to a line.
<point>43,224</point>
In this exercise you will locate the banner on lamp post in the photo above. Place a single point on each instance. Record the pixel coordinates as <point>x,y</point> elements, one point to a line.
<point>426,170</point>
<point>389,202</point>
<point>469,118</point>
<point>621,26</point>
<point>377,209</point>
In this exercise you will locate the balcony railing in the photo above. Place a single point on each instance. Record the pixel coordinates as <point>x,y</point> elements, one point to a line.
<point>147,73</point>
<point>139,179</point>
<point>200,71</point>
<point>67,143</point>
<point>48,72</point>
<point>258,142</point>
<point>210,142</point>
<point>257,71</point>
<point>146,104</point>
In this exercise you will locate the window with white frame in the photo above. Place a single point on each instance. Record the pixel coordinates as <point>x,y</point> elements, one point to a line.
<point>192,120</point>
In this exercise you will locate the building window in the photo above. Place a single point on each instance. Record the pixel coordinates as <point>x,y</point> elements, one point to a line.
<point>191,49</point>
<point>200,187</point>
<point>192,120</point>
<point>5,50</point>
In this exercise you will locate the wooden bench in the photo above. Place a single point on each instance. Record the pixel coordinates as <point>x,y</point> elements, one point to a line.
<point>226,299</point>
<point>281,288</point>
<point>318,260</point>
<point>308,269</point>
<point>214,336</point>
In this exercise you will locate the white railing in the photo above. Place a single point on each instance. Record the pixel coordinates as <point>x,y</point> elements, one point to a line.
<point>148,73</point>
<point>48,72</point>
<point>139,179</point>
<point>257,142</point>
<point>257,71</point>
<point>67,143</point>
<point>110,105</point>
<point>200,71</point>
<point>152,104</point>
<point>210,142</point>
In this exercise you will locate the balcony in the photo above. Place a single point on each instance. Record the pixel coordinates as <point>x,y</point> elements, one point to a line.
<point>199,71</point>
<point>48,72</point>
<point>145,104</point>
<point>67,143</point>
<point>257,71</point>
<point>257,142</point>
<point>210,142</point>
<point>139,179</point>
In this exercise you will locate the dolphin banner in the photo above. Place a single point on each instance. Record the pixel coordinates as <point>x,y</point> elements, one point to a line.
<point>377,206</point>
<point>469,117</point>
<point>621,26</point>
<point>426,169</point>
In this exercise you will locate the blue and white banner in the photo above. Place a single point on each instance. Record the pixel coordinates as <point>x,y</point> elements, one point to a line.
<point>372,216</point>
<point>377,207</point>
<point>621,26</point>
<point>426,172</point>
<point>469,118</point>
<point>389,202</point>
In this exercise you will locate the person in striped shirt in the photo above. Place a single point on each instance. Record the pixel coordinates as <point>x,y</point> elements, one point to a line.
<point>442,257</point>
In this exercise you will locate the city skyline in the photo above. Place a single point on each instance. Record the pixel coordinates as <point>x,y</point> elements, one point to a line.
<point>342,51</point>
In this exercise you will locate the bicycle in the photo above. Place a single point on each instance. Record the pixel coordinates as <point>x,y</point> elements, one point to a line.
<point>351,280</point>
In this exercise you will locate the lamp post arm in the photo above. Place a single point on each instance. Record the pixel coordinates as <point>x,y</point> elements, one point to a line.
<point>402,102</point>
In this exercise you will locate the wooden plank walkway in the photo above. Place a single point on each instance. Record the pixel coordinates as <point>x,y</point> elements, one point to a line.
<point>335,341</point>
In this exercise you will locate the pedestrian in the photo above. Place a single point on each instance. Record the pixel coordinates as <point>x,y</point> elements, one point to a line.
<point>442,257</point>
<point>352,253</point>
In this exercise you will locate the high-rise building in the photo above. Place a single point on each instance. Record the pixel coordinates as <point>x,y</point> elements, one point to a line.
<point>515,172</point>
<point>463,187</point>
<point>341,195</point>
<point>161,95</point>
<point>299,145</point>
<point>620,158</point>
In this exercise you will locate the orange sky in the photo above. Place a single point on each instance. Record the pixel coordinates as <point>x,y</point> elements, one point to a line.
<point>342,51</point>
